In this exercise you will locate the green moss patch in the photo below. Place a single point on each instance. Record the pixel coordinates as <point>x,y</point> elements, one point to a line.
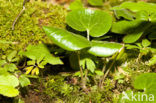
<point>28,28</point>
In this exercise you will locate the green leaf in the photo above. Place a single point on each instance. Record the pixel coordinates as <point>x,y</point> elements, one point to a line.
<point>11,55</point>
<point>8,84</point>
<point>95,2</point>
<point>152,17</point>
<point>90,65</point>
<point>142,15</point>
<point>2,62</point>
<point>10,67</point>
<point>131,46</point>
<point>77,4</point>
<point>104,49</point>
<point>152,61</point>
<point>146,43</point>
<point>126,27</point>
<point>137,33</point>
<point>66,40</point>
<point>140,6</point>
<point>98,72</point>
<point>131,38</point>
<point>24,81</point>
<point>31,62</point>
<point>96,22</point>
<point>8,91</point>
<point>146,82</point>
<point>9,80</point>
<point>41,52</point>
<point>124,13</point>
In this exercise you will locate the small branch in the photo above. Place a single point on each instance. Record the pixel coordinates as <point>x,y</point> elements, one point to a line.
<point>18,16</point>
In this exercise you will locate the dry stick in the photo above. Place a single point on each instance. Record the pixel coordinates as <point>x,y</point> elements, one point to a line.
<point>21,12</point>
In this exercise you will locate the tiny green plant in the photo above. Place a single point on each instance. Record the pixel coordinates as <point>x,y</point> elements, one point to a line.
<point>96,23</point>
<point>39,56</point>
<point>11,78</point>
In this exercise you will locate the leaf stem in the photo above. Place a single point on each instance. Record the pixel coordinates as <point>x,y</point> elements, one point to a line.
<point>83,81</point>
<point>88,36</point>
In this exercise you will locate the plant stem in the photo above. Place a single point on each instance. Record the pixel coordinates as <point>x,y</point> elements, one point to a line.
<point>83,81</point>
<point>88,37</point>
<point>103,70</point>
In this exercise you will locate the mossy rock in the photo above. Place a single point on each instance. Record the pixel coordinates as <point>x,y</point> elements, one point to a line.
<point>28,28</point>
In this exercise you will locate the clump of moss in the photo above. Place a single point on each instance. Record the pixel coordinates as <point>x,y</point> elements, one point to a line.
<point>28,28</point>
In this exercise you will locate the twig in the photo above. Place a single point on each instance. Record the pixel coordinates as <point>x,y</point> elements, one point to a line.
<point>21,12</point>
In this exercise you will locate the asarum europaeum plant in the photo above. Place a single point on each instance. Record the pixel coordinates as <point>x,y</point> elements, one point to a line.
<point>135,20</point>
<point>96,23</point>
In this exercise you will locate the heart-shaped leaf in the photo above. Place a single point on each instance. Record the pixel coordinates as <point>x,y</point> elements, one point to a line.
<point>95,2</point>
<point>96,22</point>
<point>104,49</point>
<point>66,40</point>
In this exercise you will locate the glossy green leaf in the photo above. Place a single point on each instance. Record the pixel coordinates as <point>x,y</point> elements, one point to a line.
<point>140,6</point>
<point>152,17</point>
<point>104,49</point>
<point>77,4</point>
<point>96,22</point>
<point>95,2</point>
<point>41,52</point>
<point>124,13</point>
<point>142,15</point>
<point>137,32</point>
<point>131,38</point>
<point>126,27</point>
<point>66,40</point>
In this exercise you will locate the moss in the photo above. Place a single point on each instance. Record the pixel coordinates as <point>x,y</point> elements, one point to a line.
<point>28,28</point>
